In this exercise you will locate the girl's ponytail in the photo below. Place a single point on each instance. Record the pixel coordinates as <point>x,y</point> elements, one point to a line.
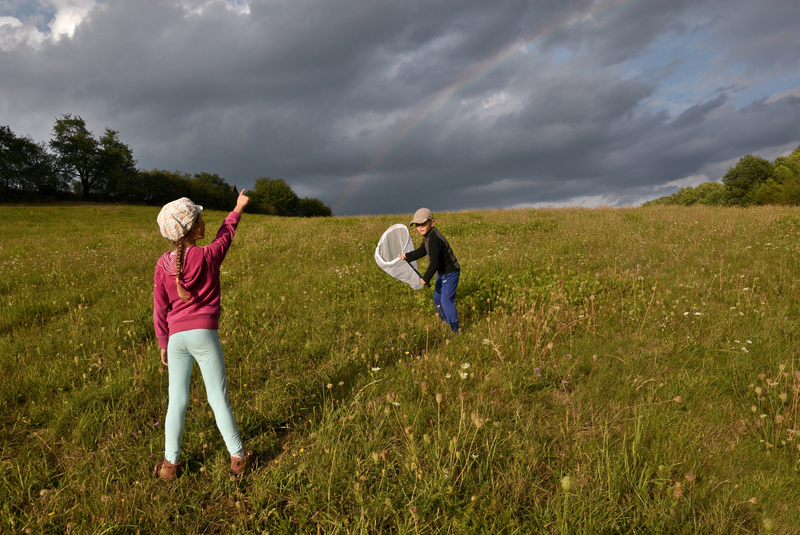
<point>180,247</point>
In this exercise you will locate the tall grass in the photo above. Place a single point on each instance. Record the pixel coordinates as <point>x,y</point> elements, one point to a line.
<point>620,371</point>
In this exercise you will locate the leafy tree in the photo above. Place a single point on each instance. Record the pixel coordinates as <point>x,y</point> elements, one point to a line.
<point>786,169</point>
<point>307,207</point>
<point>743,180</point>
<point>274,196</point>
<point>211,191</point>
<point>158,187</point>
<point>115,161</point>
<point>770,192</point>
<point>710,193</point>
<point>795,154</point>
<point>25,167</point>
<point>97,166</point>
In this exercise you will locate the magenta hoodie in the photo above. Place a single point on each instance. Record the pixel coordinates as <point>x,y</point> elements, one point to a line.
<point>200,279</point>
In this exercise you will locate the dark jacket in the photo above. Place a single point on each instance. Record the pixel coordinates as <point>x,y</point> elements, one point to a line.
<point>440,255</point>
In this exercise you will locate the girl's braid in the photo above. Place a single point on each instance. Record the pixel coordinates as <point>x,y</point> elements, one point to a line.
<point>180,247</point>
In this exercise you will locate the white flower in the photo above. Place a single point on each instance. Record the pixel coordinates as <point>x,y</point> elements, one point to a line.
<point>486,341</point>
<point>749,341</point>
<point>447,376</point>
<point>698,313</point>
<point>465,366</point>
<point>685,313</point>
<point>376,369</point>
<point>463,374</point>
<point>396,403</point>
<point>745,350</point>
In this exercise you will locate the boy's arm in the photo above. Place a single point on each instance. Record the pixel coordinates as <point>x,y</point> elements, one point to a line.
<point>434,248</point>
<point>416,254</point>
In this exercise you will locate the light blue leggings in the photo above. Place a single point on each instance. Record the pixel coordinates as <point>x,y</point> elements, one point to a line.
<point>184,348</point>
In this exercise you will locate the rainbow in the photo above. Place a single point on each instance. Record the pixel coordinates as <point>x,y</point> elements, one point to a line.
<point>429,108</point>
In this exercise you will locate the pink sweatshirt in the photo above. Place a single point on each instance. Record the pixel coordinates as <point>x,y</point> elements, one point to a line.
<point>200,279</point>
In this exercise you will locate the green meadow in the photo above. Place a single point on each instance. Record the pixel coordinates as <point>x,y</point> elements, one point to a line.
<point>619,371</point>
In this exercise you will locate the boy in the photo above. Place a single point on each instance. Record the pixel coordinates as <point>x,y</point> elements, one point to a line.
<point>442,261</point>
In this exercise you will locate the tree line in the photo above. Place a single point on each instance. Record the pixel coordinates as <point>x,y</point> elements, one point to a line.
<point>76,165</point>
<point>752,181</point>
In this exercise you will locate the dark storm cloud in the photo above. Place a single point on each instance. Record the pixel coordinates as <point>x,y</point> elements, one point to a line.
<point>385,106</point>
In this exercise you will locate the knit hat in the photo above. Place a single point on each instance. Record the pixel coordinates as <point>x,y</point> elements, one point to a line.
<point>421,216</point>
<point>177,217</point>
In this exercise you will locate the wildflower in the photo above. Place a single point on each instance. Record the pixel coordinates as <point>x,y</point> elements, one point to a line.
<point>783,396</point>
<point>447,376</point>
<point>753,408</point>
<point>478,421</point>
<point>745,350</point>
<point>753,500</point>
<point>438,398</point>
<point>566,483</point>
<point>749,341</point>
<point>465,366</point>
<point>376,369</point>
<point>690,477</point>
<point>758,390</point>
<point>463,374</point>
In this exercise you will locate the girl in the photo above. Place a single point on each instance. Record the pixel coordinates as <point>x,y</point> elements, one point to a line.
<point>186,299</point>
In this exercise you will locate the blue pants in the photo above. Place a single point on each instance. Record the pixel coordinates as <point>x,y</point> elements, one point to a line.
<point>444,297</point>
<point>184,348</point>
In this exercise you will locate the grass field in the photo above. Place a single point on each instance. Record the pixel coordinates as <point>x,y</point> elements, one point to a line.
<point>620,371</point>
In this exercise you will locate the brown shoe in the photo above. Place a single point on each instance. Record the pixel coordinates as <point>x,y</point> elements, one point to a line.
<point>167,471</point>
<point>242,465</point>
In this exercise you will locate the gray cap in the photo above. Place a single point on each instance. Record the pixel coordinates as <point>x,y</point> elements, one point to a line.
<point>421,216</point>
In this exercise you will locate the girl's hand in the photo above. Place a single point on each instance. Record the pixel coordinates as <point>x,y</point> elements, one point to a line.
<point>241,202</point>
<point>422,282</point>
<point>164,357</point>
<point>403,256</point>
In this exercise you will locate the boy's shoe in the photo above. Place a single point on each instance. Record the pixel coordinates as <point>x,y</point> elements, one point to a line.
<point>167,471</point>
<point>242,465</point>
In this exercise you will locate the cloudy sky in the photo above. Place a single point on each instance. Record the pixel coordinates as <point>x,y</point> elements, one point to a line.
<point>380,106</point>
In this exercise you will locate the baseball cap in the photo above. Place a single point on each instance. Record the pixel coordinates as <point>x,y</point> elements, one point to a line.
<point>420,216</point>
<point>177,217</point>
